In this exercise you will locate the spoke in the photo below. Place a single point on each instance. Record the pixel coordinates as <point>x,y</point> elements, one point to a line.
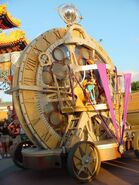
<point>86,171</point>
<point>77,165</point>
<point>93,161</point>
<point>80,170</point>
<point>81,151</point>
<point>92,156</point>
<point>85,160</point>
<point>78,154</point>
<point>92,152</point>
<point>89,170</point>
<point>77,158</point>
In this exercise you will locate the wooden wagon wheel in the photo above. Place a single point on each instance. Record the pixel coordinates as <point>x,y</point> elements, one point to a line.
<point>83,161</point>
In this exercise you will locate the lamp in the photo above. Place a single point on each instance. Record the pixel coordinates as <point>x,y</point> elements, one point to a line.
<point>68,13</point>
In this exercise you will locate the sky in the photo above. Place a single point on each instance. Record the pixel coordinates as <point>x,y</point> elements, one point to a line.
<point>115,22</point>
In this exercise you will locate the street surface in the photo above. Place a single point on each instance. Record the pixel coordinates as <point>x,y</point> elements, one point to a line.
<point>123,171</point>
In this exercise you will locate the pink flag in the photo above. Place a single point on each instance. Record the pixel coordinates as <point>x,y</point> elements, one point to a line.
<point>104,79</point>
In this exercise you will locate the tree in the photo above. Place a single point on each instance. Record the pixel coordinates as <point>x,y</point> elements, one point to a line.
<point>135,86</point>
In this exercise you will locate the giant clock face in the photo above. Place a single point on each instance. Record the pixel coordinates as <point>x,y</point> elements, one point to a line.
<point>44,84</point>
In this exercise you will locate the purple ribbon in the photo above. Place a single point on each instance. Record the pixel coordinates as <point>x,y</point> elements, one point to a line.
<point>127,86</point>
<point>116,76</point>
<point>104,79</point>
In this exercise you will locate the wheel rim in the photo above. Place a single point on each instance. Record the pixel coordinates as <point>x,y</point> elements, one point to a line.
<point>85,161</point>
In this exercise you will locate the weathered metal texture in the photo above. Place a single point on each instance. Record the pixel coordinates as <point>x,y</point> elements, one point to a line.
<point>42,159</point>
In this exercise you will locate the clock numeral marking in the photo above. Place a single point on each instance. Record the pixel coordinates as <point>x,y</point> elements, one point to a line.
<point>28,81</point>
<point>48,42</point>
<point>30,65</point>
<point>57,34</point>
<point>46,136</point>
<point>38,50</point>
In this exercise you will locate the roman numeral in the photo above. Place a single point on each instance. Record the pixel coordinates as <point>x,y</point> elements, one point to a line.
<point>46,136</point>
<point>30,65</point>
<point>35,47</point>
<point>48,42</point>
<point>28,81</point>
<point>57,34</point>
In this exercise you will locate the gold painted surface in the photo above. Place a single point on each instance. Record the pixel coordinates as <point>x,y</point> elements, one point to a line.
<point>35,122</point>
<point>108,151</point>
<point>4,66</point>
<point>3,115</point>
<point>133,102</point>
<point>17,105</point>
<point>13,20</point>
<point>133,109</point>
<point>12,37</point>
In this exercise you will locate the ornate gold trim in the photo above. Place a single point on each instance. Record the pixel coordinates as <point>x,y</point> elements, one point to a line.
<point>13,21</point>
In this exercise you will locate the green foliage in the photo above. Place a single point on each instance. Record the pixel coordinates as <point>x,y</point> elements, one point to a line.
<point>135,86</point>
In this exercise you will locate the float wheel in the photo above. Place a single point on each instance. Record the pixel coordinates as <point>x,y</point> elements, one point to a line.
<point>83,161</point>
<point>17,154</point>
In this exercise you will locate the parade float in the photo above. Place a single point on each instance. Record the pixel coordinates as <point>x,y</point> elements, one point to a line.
<point>70,100</point>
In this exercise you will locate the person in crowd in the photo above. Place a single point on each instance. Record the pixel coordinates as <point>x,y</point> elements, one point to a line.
<point>1,147</point>
<point>14,129</point>
<point>9,113</point>
<point>5,139</point>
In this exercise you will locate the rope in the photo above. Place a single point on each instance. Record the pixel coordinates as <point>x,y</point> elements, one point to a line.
<point>116,77</point>
<point>71,86</point>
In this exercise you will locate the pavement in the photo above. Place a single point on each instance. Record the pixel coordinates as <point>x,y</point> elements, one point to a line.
<point>5,163</point>
<point>124,171</point>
